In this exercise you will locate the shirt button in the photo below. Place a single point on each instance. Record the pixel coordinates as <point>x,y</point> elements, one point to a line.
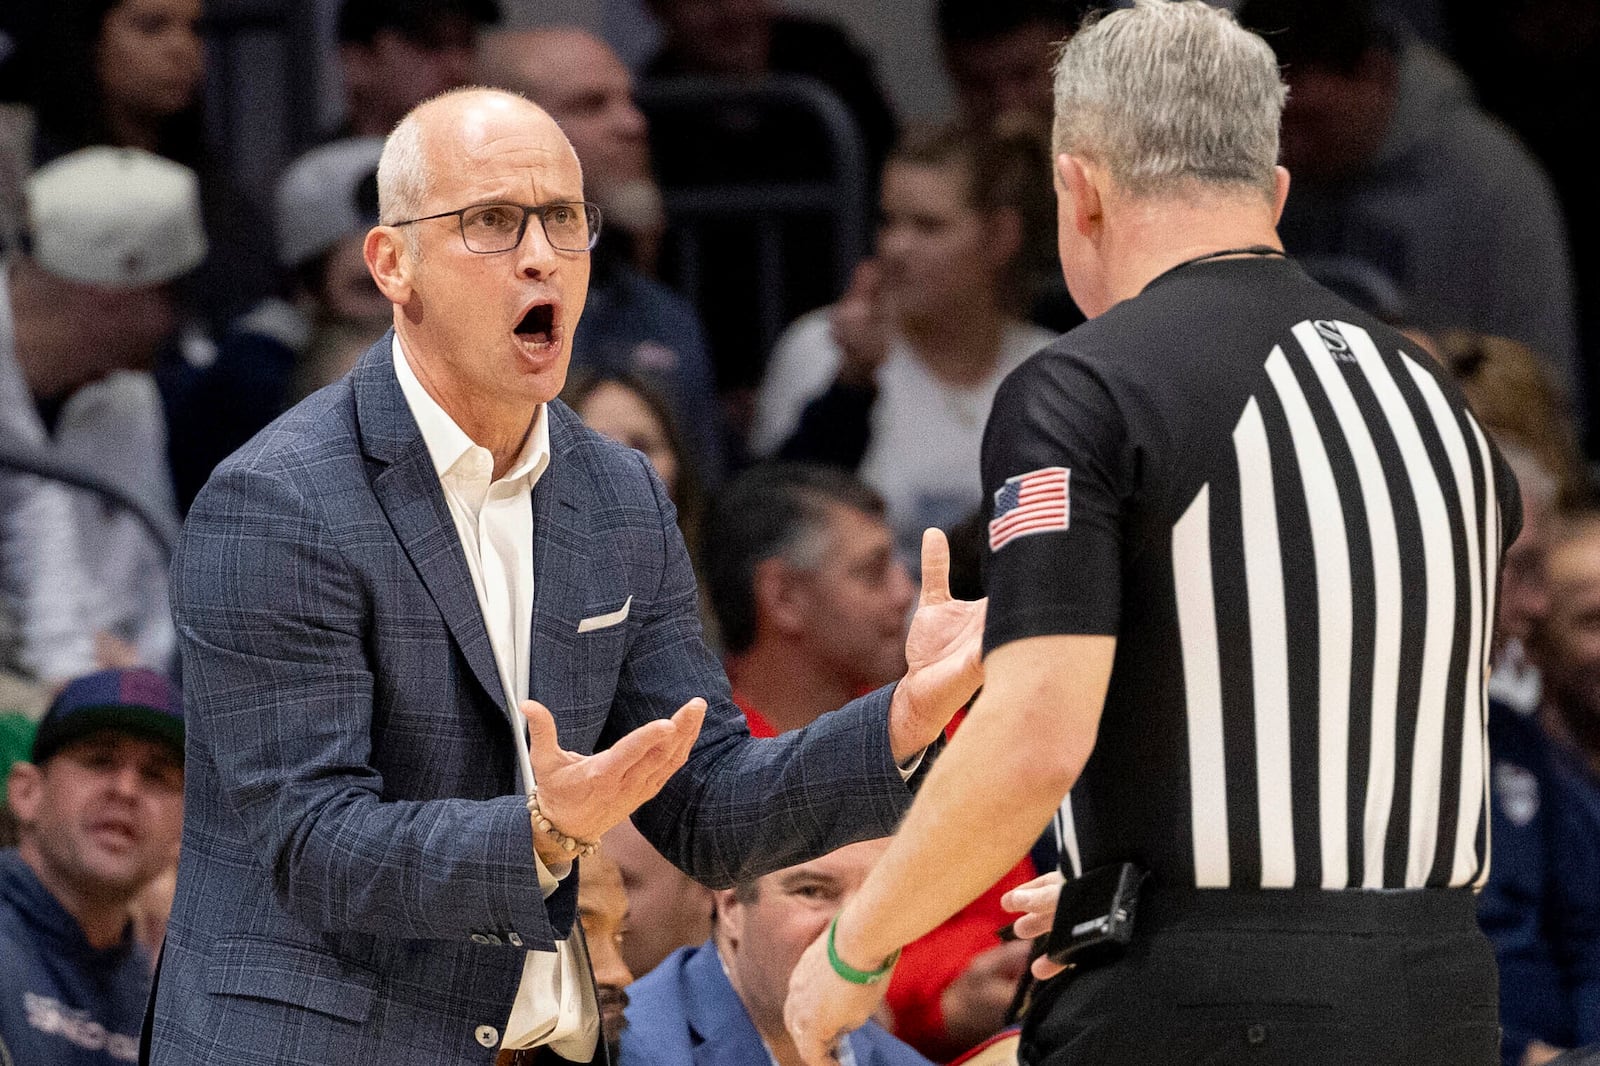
<point>487,1035</point>
<point>1256,1035</point>
<point>514,940</point>
<point>479,938</point>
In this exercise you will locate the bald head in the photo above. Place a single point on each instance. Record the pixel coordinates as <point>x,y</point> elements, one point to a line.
<point>535,63</point>
<point>448,126</point>
<point>582,83</point>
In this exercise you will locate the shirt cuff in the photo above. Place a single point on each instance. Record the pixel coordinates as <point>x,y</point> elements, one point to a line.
<point>550,878</point>
<point>908,770</point>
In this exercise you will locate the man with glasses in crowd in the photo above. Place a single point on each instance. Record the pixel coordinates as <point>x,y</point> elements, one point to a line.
<point>410,613</point>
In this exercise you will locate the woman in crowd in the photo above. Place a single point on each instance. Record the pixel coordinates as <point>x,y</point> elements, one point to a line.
<point>631,411</point>
<point>129,73</point>
<point>896,379</point>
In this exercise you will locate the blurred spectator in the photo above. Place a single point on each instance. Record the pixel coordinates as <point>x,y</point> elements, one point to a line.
<point>810,596</point>
<point>721,1004</point>
<point>394,54</point>
<point>1000,54</point>
<point>1519,907</point>
<point>812,601</point>
<point>666,909</point>
<point>1567,649</point>
<point>1514,396</point>
<point>629,410</point>
<point>129,73</point>
<point>99,809</point>
<point>896,379</point>
<point>1397,170</point>
<point>585,86</point>
<point>1521,409</point>
<point>603,913</point>
<point>135,82</point>
<point>631,323</point>
<point>81,318</point>
<point>740,144</point>
<point>284,349</point>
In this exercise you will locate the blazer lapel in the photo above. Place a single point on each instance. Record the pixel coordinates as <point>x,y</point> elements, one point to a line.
<point>407,488</point>
<point>560,564</point>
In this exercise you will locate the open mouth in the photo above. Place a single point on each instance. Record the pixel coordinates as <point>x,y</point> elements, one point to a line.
<point>118,834</point>
<point>538,325</point>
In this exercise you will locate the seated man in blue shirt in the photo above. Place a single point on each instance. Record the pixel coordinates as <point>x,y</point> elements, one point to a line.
<point>98,811</point>
<point>722,1002</point>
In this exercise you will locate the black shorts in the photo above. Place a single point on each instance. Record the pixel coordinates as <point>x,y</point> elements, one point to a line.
<point>1293,978</point>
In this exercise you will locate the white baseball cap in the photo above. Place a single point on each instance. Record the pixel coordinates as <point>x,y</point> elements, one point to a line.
<point>119,217</point>
<point>329,193</point>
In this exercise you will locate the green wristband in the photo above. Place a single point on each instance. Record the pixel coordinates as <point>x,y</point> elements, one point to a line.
<point>850,973</point>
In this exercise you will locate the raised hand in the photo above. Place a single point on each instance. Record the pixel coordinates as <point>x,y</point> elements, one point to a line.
<point>585,795</point>
<point>860,325</point>
<point>944,655</point>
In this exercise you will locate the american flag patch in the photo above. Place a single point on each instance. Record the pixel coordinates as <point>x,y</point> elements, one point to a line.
<point>1035,502</point>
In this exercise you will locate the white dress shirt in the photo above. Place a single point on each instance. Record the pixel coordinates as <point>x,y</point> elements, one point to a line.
<point>494,519</point>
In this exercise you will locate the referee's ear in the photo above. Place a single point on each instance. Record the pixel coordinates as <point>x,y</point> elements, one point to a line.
<point>1280,193</point>
<point>1079,195</point>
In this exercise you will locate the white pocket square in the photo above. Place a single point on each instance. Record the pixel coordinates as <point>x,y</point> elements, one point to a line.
<point>603,621</point>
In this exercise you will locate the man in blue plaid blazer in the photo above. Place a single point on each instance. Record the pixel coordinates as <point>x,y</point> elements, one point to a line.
<point>358,880</point>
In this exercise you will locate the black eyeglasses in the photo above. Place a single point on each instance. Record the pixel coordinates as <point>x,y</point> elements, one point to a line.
<point>569,226</point>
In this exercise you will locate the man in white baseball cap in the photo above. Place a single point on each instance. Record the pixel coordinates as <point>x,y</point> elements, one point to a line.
<point>83,311</point>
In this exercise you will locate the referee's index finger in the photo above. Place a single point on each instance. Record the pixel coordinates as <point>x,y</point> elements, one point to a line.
<point>935,567</point>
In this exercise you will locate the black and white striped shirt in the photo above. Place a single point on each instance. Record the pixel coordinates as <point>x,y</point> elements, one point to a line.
<point>1287,516</point>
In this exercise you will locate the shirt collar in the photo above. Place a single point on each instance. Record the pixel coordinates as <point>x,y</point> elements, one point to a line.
<point>448,443</point>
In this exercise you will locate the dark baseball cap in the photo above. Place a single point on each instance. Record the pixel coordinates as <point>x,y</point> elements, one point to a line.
<point>137,701</point>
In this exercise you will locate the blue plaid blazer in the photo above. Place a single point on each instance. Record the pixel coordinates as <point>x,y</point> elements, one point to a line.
<point>357,881</point>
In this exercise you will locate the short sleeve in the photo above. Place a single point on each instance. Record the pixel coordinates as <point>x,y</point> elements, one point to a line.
<point>1056,474</point>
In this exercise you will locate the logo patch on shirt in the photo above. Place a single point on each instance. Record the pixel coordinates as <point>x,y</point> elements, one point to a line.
<point>1334,340</point>
<point>1035,502</point>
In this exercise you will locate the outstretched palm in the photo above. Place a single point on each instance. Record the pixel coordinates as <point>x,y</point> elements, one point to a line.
<point>944,647</point>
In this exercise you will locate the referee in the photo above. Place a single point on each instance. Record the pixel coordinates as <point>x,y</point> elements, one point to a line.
<point>1243,560</point>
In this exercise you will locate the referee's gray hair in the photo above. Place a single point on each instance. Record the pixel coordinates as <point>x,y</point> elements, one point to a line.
<point>1170,93</point>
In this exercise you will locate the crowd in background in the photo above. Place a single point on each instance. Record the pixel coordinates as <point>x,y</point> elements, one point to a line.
<point>810,404</point>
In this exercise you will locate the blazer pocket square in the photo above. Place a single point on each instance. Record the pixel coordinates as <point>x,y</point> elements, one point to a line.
<point>605,621</point>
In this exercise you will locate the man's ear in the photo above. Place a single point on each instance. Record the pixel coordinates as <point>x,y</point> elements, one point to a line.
<point>1280,192</point>
<point>1082,194</point>
<point>775,590</point>
<point>727,915</point>
<point>25,792</point>
<point>390,263</point>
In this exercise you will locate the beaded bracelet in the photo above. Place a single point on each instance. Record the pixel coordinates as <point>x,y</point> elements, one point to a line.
<point>581,849</point>
<point>850,973</point>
